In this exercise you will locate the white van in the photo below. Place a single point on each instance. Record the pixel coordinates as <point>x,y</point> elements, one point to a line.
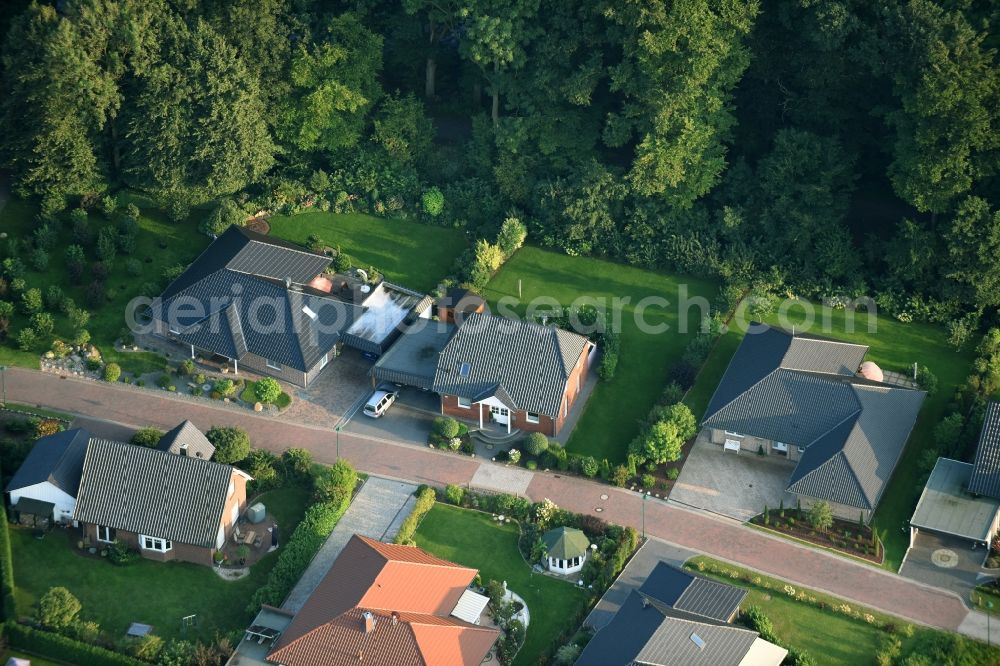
<point>379,403</point>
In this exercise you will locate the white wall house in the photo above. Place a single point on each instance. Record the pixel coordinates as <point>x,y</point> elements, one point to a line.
<point>65,504</point>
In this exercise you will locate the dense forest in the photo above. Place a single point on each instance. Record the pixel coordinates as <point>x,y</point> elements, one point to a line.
<point>822,147</point>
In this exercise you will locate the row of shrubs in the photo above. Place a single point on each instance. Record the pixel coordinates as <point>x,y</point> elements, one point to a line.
<point>63,648</point>
<point>425,502</point>
<point>477,265</point>
<point>332,488</point>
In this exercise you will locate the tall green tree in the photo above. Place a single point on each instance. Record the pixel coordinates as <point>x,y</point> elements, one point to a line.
<point>495,36</point>
<point>679,64</point>
<point>196,126</point>
<point>438,19</point>
<point>334,85</point>
<point>56,100</point>
<point>973,248</point>
<point>947,125</point>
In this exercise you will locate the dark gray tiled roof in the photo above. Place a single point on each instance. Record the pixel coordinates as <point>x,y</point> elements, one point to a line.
<point>57,459</point>
<point>853,463</point>
<point>804,391</point>
<point>521,362</point>
<point>186,439</point>
<point>683,593</point>
<point>413,359</point>
<point>246,313</point>
<point>152,492</point>
<point>986,470</point>
<point>641,634</point>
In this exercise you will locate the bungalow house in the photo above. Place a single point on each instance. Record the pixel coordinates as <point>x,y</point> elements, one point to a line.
<point>962,500</point>
<point>815,402</point>
<point>265,305</point>
<point>166,506</point>
<point>677,618</point>
<point>44,488</point>
<point>385,604</point>
<point>516,373</point>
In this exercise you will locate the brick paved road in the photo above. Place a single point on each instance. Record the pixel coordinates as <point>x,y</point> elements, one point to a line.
<point>686,528</point>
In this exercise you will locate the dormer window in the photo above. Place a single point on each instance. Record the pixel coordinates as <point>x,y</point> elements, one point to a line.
<point>464,369</point>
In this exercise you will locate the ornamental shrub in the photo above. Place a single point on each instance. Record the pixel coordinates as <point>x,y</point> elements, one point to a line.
<point>335,484</point>
<point>27,339</point>
<point>267,390</point>
<point>57,609</point>
<point>425,502</point>
<point>454,494</point>
<point>43,323</point>
<point>231,444</point>
<point>433,201</point>
<point>536,443</point>
<point>446,427</point>
<point>112,371</point>
<point>514,456</point>
<point>589,466</point>
<point>149,437</point>
<point>31,301</point>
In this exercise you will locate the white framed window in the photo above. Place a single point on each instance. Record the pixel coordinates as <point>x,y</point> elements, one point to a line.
<point>464,403</point>
<point>105,534</point>
<point>531,417</point>
<point>734,434</point>
<point>232,489</point>
<point>155,543</point>
<point>273,365</point>
<point>565,407</point>
<point>323,361</point>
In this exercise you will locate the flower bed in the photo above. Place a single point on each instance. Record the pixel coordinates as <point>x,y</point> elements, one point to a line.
<point>843,536</point>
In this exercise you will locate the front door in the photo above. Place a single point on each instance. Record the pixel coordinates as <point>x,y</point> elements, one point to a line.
<point>500,414</point>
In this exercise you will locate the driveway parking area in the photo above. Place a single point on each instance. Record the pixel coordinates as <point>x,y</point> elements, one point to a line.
<point>337,390</point>
<point>401,424</point>
<point>945,562</point>
<point>731,484</point>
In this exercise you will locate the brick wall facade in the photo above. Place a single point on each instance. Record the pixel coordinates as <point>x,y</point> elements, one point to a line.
<point>183,552</point>
<point>519,418</point>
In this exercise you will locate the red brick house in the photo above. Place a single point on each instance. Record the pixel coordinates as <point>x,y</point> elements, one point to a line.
<point>165,505</point>
<point>516,373</point>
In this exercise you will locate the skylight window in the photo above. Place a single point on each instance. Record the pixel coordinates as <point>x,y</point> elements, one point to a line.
<point>698,640</point>
<point>309,313</point>
<point>465,369</point>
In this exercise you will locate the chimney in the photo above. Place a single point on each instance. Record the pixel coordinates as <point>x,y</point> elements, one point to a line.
<point>288,283</point>
<point>369,621</point>
<point>395,618</point>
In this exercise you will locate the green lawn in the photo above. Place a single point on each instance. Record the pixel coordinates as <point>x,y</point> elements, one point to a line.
<point>157,593</point>
<point>411,254</point>
<point>611,418</point>
<point>160,244</point>
<point>473,539</point>
<point>829,637</point>
<point>894,346</point>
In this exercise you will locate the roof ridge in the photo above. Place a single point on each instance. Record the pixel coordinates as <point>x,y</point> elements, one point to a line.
<point>741,394</point>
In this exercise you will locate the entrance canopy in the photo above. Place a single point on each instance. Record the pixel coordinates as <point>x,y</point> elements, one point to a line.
<point>947,508</point>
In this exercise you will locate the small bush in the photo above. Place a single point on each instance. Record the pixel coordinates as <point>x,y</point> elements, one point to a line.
<point>454,494</point>
<point>536,443</point>
<point>433,202</point>
<point>112,371</point>
<point>57,609</point>
<point>224,387</point>
<point>119,553</point>
<point>648,481</point>
<point>335,484</point>
<point>673,473</point>
<point>620,476</point>
<point>446,427</point>
<point>514,456</point>
<point>267,390</point>
<point>231,444</point>
<point>531,464</point>
<point>589,466</point>
<point>185,368</point>
<point>148,437</point>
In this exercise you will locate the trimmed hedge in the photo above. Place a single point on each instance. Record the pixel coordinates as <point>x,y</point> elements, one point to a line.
<point>308,538</point>
<point>425,501</point>
<point>7,607</point>
<point>54,646</point>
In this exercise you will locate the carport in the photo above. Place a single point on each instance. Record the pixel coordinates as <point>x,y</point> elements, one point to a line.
<point>412,360</point>
<point>946,508</point>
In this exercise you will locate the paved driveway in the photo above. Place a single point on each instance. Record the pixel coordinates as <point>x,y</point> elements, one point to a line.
<point>632,577</point>
<point>730,484</point>
<point>338,389</point>
<point>377,512</point>
<point>400,424</point>
<point>945,562</point>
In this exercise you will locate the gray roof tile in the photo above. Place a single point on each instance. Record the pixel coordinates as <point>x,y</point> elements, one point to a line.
<point>524,364</point>
<point>986,470</point>
<point>57,459</point>
<point>186,439</point>
<point>152,492</point>
<point>803,390</point>
<point>685,594</point>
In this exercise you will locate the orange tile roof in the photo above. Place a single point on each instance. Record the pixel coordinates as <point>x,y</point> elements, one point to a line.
<point>401,583</point>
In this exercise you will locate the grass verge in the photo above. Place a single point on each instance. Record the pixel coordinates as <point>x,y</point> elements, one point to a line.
<point>615,408</point>
<point>473,539</point>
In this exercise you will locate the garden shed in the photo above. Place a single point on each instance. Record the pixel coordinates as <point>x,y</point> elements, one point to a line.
<point>566,549</point>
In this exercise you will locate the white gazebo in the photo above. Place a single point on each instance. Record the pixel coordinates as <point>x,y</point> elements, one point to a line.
<point>565,549</point>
